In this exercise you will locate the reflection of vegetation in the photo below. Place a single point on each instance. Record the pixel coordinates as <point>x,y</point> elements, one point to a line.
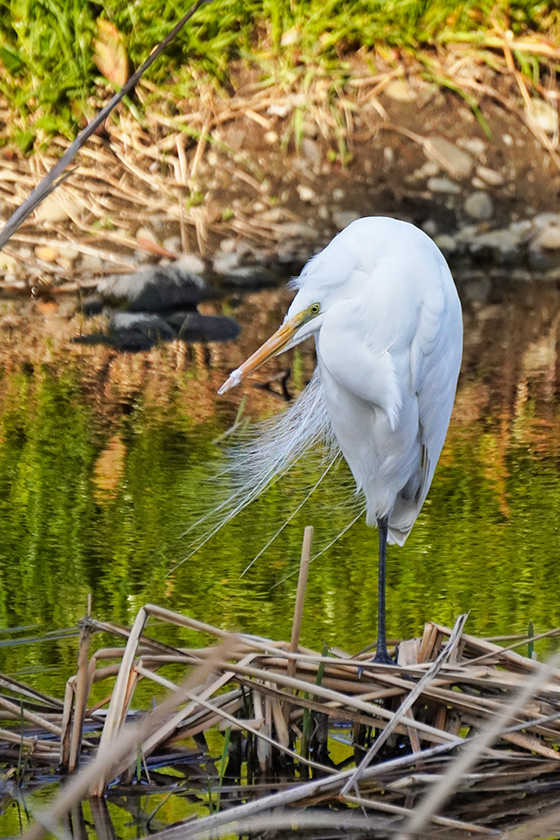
<point>486,541</point>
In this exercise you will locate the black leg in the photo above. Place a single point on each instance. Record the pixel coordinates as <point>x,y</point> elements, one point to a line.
<point>382,654</point>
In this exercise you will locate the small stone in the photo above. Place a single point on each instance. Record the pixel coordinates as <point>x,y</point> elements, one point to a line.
<point>429,227</point>
<point>548,239</point>
<point>46,253</point>
<point>338,194</point>
<point>225,263</point>
<point>54,209</point>
<point>388,155</point>
<point>8,263</point>
<point>190,263</point>
<point>479,206</point>
<point>173,244</point>
<point>305,193</point>
<point>491,176</point>
<point>274,215</point>
<point>474,145</point>
<point>428,170</point>
<point>479,184</point>
<point>228,246</point>
<point>454,160</point>
<point>399,90</point>
<point>446,243</point>
<point>310,149</point>
<point>543,220</point>
<point>271,137</point>
<point>147,235</point>
<point>258,207</point>
<point>91,262</point>
<point>278,109</point>
<point>508,140</point>
<point>294,230</point>
<point>443,185</point>
<point>68,253</point>
<point>342,218</point>
<point>544,115</point>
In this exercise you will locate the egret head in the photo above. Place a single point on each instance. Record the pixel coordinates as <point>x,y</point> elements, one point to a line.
<point>302,320</point>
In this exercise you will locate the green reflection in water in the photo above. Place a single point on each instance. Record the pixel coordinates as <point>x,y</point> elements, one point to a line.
<point>487,540</point>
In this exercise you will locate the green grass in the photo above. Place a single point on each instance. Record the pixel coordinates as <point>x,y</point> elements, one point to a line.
<point>48,76</point>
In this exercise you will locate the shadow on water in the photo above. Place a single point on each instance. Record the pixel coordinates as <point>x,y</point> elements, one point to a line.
<point>103,465</point>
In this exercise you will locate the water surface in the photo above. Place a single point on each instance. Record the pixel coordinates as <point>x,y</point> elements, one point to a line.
<point>103,462</point>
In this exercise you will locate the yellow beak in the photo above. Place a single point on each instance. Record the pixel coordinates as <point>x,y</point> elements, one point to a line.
<point>275,344</point>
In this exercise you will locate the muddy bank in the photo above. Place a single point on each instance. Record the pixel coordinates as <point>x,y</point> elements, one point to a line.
<point>254,198</point>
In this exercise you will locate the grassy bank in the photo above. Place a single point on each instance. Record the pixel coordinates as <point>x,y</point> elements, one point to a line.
<point>61,59</point>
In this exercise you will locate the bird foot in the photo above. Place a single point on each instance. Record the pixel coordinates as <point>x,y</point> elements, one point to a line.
<point>382,658</point>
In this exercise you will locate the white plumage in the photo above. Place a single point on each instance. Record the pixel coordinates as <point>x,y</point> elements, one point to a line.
<point>383,309</point>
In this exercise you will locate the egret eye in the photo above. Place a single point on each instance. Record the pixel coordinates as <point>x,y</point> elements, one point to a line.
<point>314,309</point>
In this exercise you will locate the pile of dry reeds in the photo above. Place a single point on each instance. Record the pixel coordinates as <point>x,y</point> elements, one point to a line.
<point>459,720</point>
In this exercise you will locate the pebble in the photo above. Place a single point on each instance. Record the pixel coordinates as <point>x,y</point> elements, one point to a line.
<point>228,246</point>
<point>342,218</point>
<point>548,239</point>
<point>443,185</point>
<point>474,145</point>
<point>399,90</point>
<point>68,253</point>
<point>428,170</point>
<point>271,137</point>
<point>191,263</point>
<point>305,193</point>
<point>173,244</point>
<point>446,243</point>
<point>46,253</point>
<point>146,234</point>
<point>479,206</point>
<point>508,140</point>
<point>544,115</point>
<point>294,230</point>
<point>430,227</point>
<point>8,263</point>
<point>491,176</point>
<point>91,262</point>
<point>454,160</point>
<point>310,149</point>
<point>338,194</point>
<point>225,263</point>
<point>52,210</point>
<point>388,155</point>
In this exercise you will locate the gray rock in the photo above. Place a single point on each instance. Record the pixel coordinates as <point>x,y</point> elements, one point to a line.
<point>399,90</point>
<point>474,145</point>
<point>479,206</point>
<point>153,289</point>
<point>457,162</point>
<point>311,150</point>
<point>190,263</point>
<point>544,220</point>
<point>428,170</point>
<point>225,262</point>
<point>443,185</point>
<point>446,243</point>
<point>305,193</point>
<point>297,230</point>
<point>54,209</point>
<point>548,239</point>
<point>490,176</point>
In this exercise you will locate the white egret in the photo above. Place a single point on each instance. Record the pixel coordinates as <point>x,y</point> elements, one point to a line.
<point>383,309</point>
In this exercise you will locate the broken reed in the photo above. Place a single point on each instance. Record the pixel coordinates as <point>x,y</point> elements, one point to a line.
<point>452,702</point>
